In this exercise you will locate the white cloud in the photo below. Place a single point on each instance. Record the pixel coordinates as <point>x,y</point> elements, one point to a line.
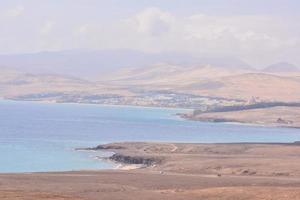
<point>47,27</point>
<point>238,27</point>
<point>254,37</point>
<point>152,21</point>
<point>240,35</point>
<point>84,29</point>
<point>257,38</point>
<point>15,12</point>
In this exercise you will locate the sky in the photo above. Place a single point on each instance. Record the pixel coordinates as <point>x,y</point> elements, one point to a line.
<point>261,32</point>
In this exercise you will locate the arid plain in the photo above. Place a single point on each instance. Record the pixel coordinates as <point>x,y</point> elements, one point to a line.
<point>172,171</point>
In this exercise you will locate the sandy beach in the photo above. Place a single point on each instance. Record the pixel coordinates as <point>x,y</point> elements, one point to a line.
<point>172,171</point>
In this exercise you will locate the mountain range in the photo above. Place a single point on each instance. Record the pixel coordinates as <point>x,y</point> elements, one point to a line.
<point>282,67</point>
<point>123,72</point>
<point>90,63</point>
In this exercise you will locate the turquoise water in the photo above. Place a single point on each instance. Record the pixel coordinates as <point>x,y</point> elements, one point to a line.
<point>38,137</point>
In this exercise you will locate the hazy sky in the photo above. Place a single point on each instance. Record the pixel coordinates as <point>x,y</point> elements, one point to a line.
<point>258,31</point>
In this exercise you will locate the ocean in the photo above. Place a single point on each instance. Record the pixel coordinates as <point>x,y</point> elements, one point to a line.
<point>42,137</point>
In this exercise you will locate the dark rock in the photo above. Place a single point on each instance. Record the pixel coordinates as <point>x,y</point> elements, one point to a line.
<point>102,147</point>
<point>282,121</point>
<point>135,159</point>
<point>108,147</point>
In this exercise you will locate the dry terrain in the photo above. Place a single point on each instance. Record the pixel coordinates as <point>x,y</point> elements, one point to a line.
<point>275,116</point>
<point>17,84</point>
<point>176,171</point>
<point>216,82</point>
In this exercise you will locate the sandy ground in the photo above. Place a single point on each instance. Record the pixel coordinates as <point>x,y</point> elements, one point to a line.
<point>185,171</point>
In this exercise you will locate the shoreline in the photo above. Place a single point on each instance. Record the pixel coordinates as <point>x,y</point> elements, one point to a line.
<point>237,121</point>
<point>115,149</point>
<point>154,154</point>
<point>96,104</point>
<point>244,123</point>
<point>186,171</point>
<point>182,113</point>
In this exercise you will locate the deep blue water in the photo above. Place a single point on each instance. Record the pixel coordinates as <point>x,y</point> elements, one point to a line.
<point>42,136</point>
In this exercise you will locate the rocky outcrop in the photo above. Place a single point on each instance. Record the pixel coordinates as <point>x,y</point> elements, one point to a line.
<point>283,121</point>
<point>109,147</point>
<point>126,155</point>
<point>103,147</point>
<point>137,160</point>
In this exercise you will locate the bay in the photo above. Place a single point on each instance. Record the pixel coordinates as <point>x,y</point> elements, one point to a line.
<point>40,137</point>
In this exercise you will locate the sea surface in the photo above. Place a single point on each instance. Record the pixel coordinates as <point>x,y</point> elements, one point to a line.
<point>40,137</point>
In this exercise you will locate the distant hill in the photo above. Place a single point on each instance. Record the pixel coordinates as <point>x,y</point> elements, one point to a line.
<point>13,82</point>
<point>93,63</point>
<point>244,86</point>
<point>16,83</point>
<point>282,67</point>
<point>125,72</point>
<point>212,81</point>
<point>166,74</point>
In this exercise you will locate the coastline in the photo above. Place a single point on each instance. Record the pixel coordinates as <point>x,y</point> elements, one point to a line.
<point>96,104</point>
<point>181,113</point>
<point>187,171</point>
<point>242,123</point>
<point>268,117</point>
<point>157,155</point>
<point>63,158</point>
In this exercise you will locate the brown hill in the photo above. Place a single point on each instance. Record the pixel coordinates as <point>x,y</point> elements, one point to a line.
<point>214,81</point>
<point>245,86</point>
<point>15,83</point>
